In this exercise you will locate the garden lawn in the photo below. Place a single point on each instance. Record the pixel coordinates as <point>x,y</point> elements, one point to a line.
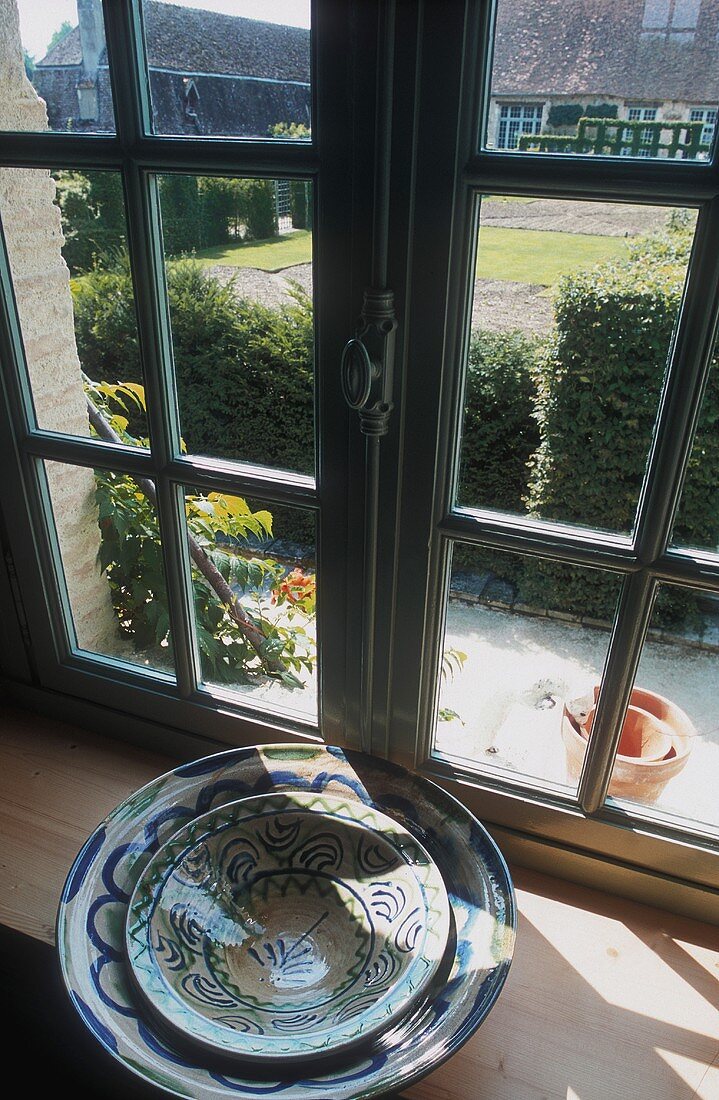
<point>516,255</point>
<point>539,256</point>
<point>272,255</point>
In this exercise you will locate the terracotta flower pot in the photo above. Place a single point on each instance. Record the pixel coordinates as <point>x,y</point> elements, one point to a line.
<point>656,740</point>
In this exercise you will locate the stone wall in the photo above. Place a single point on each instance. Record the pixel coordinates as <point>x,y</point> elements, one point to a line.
<point>31,222</point>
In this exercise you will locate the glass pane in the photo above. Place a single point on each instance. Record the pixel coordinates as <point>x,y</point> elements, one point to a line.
<point>523,639</point>
<point>239,275</point>
<point>215,73</point>
<point>109,539</point>
<point>62,46</point>
<point>67,245</point>
<point>254,581</point>
<point>697,521</point>
<point>669,752</point>
<point>627,83</point>
<point>574,308</point>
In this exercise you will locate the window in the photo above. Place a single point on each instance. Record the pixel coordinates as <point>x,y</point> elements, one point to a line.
<point>637,113</point>
<point>505,485</point>
<point>516,119</point>
<point>586,71</point>
<point>707,115</point>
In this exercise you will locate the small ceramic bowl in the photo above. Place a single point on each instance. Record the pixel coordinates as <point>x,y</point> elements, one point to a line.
<point>286,927</point>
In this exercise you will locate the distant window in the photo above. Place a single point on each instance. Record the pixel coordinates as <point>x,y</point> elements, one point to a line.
<point>637,113</point>
<point>516,119</point>
<point>675,20</point>
<point>656,14</point>
<point>707,115</point>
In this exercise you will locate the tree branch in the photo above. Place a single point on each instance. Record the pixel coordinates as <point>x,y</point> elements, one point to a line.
<point>201,559</point>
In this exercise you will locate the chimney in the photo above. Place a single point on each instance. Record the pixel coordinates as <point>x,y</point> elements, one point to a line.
<point>92,44</point>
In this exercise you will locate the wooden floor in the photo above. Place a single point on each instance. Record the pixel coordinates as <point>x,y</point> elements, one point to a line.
<point>606,999</point>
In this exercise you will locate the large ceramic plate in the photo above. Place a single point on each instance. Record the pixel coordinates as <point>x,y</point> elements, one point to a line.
<point>286,927</point>
<point>94,904</point>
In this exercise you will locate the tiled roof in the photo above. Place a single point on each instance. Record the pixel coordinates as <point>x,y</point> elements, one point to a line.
<point>598,47</point>
<point>194,41</point>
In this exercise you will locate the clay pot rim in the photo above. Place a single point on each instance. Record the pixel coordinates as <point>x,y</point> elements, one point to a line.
<point>681,744</point>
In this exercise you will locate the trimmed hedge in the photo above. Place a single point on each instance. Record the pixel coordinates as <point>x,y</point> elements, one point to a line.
<point>500,434</point>
<point>599,384</point>
<point>565,114</point>
<point>244,371</point>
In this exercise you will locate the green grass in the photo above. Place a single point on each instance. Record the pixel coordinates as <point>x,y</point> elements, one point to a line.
<point>272,255</point>
<point>516,255</point>
<point>541,257</point>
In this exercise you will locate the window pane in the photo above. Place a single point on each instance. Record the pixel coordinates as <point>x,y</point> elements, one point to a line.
<point>65,58</point>
<point>523,639</point>
<point>669,752</point>
<point>565,84</point>
<point>574,308</point>
<point>254,581</point>
<point>697,521</point>
<point>239,274</point>
<point>109,540</point>
<point>67,245</point>
<point>215,73</point>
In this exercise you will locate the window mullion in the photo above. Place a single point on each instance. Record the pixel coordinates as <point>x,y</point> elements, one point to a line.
<point>146,259</point>
<point>625,649</point>
<point>681,401</point>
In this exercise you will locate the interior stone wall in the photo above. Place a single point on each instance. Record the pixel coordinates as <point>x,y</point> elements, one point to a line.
<point>31,222</point>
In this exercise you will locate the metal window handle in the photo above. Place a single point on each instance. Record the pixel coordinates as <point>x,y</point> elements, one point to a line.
<point>366,367</point>
<point>357,372</point>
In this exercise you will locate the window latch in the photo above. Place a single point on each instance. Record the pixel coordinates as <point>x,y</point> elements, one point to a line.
<point>367,365</point>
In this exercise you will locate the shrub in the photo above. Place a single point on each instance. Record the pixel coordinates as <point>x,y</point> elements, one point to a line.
<point>565,114</point>
<point>602,110</point>
<point>499,434</point>
<point>244,371</point>
<point>259,209</point>
<point>92,216</point>
<point>599,383</point>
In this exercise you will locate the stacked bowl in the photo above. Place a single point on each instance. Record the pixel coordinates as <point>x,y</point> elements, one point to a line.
<point>290,921</point>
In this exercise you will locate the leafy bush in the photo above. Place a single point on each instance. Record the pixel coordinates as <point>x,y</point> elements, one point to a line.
<point>244,371</point>
<point>92,215</point>
<point>276,606</point>
<point>602,110</point>
<point>599,383</point>
<point>500,434</point>
<point>565,114</point>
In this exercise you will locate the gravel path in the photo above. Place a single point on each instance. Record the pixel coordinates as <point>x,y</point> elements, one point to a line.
<point>497,305</point>
<point>605,219</point>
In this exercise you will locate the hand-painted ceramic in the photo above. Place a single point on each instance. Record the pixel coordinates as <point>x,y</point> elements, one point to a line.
<point>93,909</point>
<point>286,927</point>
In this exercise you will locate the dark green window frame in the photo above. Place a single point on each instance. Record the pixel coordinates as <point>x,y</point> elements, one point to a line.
<point>139,156</point>
<point>411,135</point>
<point>452,171</point>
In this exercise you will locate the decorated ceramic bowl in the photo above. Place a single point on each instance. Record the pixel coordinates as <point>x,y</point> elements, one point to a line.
<point>286,927</point>
<point>94,903</point>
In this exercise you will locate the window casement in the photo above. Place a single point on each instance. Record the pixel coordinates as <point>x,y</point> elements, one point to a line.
<point>516,119</point>
<point>707,115</point>
<point>396,526</point>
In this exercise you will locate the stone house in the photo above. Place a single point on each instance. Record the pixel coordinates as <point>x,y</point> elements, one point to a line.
<point>209,73</point>
<point>651,59</point>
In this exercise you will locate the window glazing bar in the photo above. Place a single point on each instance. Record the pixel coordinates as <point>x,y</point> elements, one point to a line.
<point>91,452</point>
<point>529,537</point>
<point>590,177</point>
<point>147,263</point>
<point>209,156</point>
<point>681,400</point>
<point>275,486</point>
<point>625,647</point>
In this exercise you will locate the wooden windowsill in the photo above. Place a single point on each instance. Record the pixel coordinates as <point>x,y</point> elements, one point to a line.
<point>606,999</point>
